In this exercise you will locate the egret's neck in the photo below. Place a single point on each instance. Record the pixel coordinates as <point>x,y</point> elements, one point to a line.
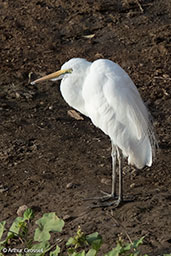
<point>71,90</point>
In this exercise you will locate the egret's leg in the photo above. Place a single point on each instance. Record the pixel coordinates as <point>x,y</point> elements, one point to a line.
<point>120,194</point>
<point>115,203</point>
<point>113,193</point>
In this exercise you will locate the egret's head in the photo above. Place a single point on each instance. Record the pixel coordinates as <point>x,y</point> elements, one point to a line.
<point>75,66</point>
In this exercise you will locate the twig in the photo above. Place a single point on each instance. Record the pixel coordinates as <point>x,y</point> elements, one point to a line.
<point>139,5</point>
<point>163,78</point>
<point>119,224</point>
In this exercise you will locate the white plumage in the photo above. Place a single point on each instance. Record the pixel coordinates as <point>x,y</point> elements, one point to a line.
<point>105,93</point>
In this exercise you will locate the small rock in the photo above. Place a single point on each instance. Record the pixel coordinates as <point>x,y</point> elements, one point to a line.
<point>105,181</point>
<point>166,76</point>
<point>66,217</point>
<point>21,210</point>
<point>75,114</point>
<point>132,185</point>
<point>70,185</point>
<point>89,36</point>
<point>3,188</point>
<point>17,95</point>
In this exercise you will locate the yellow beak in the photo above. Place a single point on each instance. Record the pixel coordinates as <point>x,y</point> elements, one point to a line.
<point>52,75</point>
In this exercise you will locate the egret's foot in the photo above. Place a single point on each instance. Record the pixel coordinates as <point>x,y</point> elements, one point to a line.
<point>113,203</point>
<point>108,201</point>
<point>106,197</point>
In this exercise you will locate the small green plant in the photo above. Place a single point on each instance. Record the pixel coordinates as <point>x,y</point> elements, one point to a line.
<point>129,249</point>
<point>18,229</point>
<point>80,240</point>
<point>20,242</point>
<point>19,233</point>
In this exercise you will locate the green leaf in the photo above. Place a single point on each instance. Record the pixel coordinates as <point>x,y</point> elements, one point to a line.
<point>112,253</point>
<point>1,248</point>
<point>70,251</point>
<point>79,240</point>
<point>39,249</point>
<point>136,243</point>
<point>55,252</point>
<point>2,242</point>
<point>71,241</point>
<point>127,247</point>
<point>135,254</point>
<point>91,252</point>
<point>48,223</point>
<point>115,252</point>
<point>78,253</point>
<point>2,228</point>
<point>95,240</point>
<point>28,214</point>
<point>15,227</point>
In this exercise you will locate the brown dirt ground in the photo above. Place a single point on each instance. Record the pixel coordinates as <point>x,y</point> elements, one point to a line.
<point>42,149</point>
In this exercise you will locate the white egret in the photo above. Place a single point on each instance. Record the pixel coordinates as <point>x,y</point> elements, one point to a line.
<point>103,91</point>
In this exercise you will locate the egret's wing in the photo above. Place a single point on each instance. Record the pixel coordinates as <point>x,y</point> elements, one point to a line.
<point>115,106</point>
<point>110,94</point>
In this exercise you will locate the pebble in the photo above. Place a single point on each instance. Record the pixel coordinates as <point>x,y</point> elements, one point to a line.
<point>3,188</point>
<point>74,114</point>
<point>66,217</point>
<point>70,185</point>
<point>132,185</point>
<point>50,107</point>
<point>105,181</point>
<point>17,95</point>
<point>21,210</point>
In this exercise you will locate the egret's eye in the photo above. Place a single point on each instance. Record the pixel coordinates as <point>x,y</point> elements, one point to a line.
<point>69,70</point>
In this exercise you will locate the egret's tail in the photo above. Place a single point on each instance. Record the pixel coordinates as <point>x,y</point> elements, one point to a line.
<point>142,154</point>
